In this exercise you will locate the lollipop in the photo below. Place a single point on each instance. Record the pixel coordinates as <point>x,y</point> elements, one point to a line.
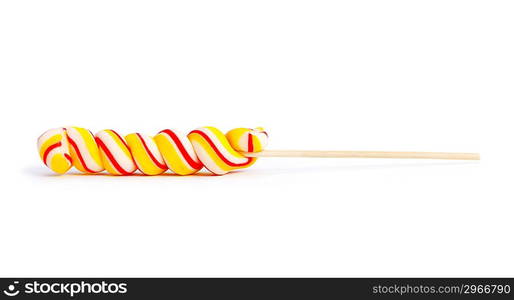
<point>62,148</point>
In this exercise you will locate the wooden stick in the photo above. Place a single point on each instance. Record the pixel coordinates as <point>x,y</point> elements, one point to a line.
<point>364,154</point>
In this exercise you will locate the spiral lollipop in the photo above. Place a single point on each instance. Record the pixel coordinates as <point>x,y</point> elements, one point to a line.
<point>62,148</point>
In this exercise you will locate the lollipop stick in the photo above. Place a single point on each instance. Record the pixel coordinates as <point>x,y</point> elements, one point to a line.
<point>364,154</point>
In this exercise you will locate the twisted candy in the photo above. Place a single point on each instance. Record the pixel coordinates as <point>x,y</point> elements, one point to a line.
<point>62,148</point>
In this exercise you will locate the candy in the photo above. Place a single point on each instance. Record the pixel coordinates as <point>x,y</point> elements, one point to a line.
<point>207,147</point>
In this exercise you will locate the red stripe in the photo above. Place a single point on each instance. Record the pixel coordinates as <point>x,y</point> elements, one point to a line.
<point>250,142</point>
<point>77,151</point>
<point>193,164</point>
<point>111,157</point>
<point>47,151</point>
<point>155,161</point>
<point>223,158</point>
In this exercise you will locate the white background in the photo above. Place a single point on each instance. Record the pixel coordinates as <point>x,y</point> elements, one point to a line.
<point>356,75</point>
